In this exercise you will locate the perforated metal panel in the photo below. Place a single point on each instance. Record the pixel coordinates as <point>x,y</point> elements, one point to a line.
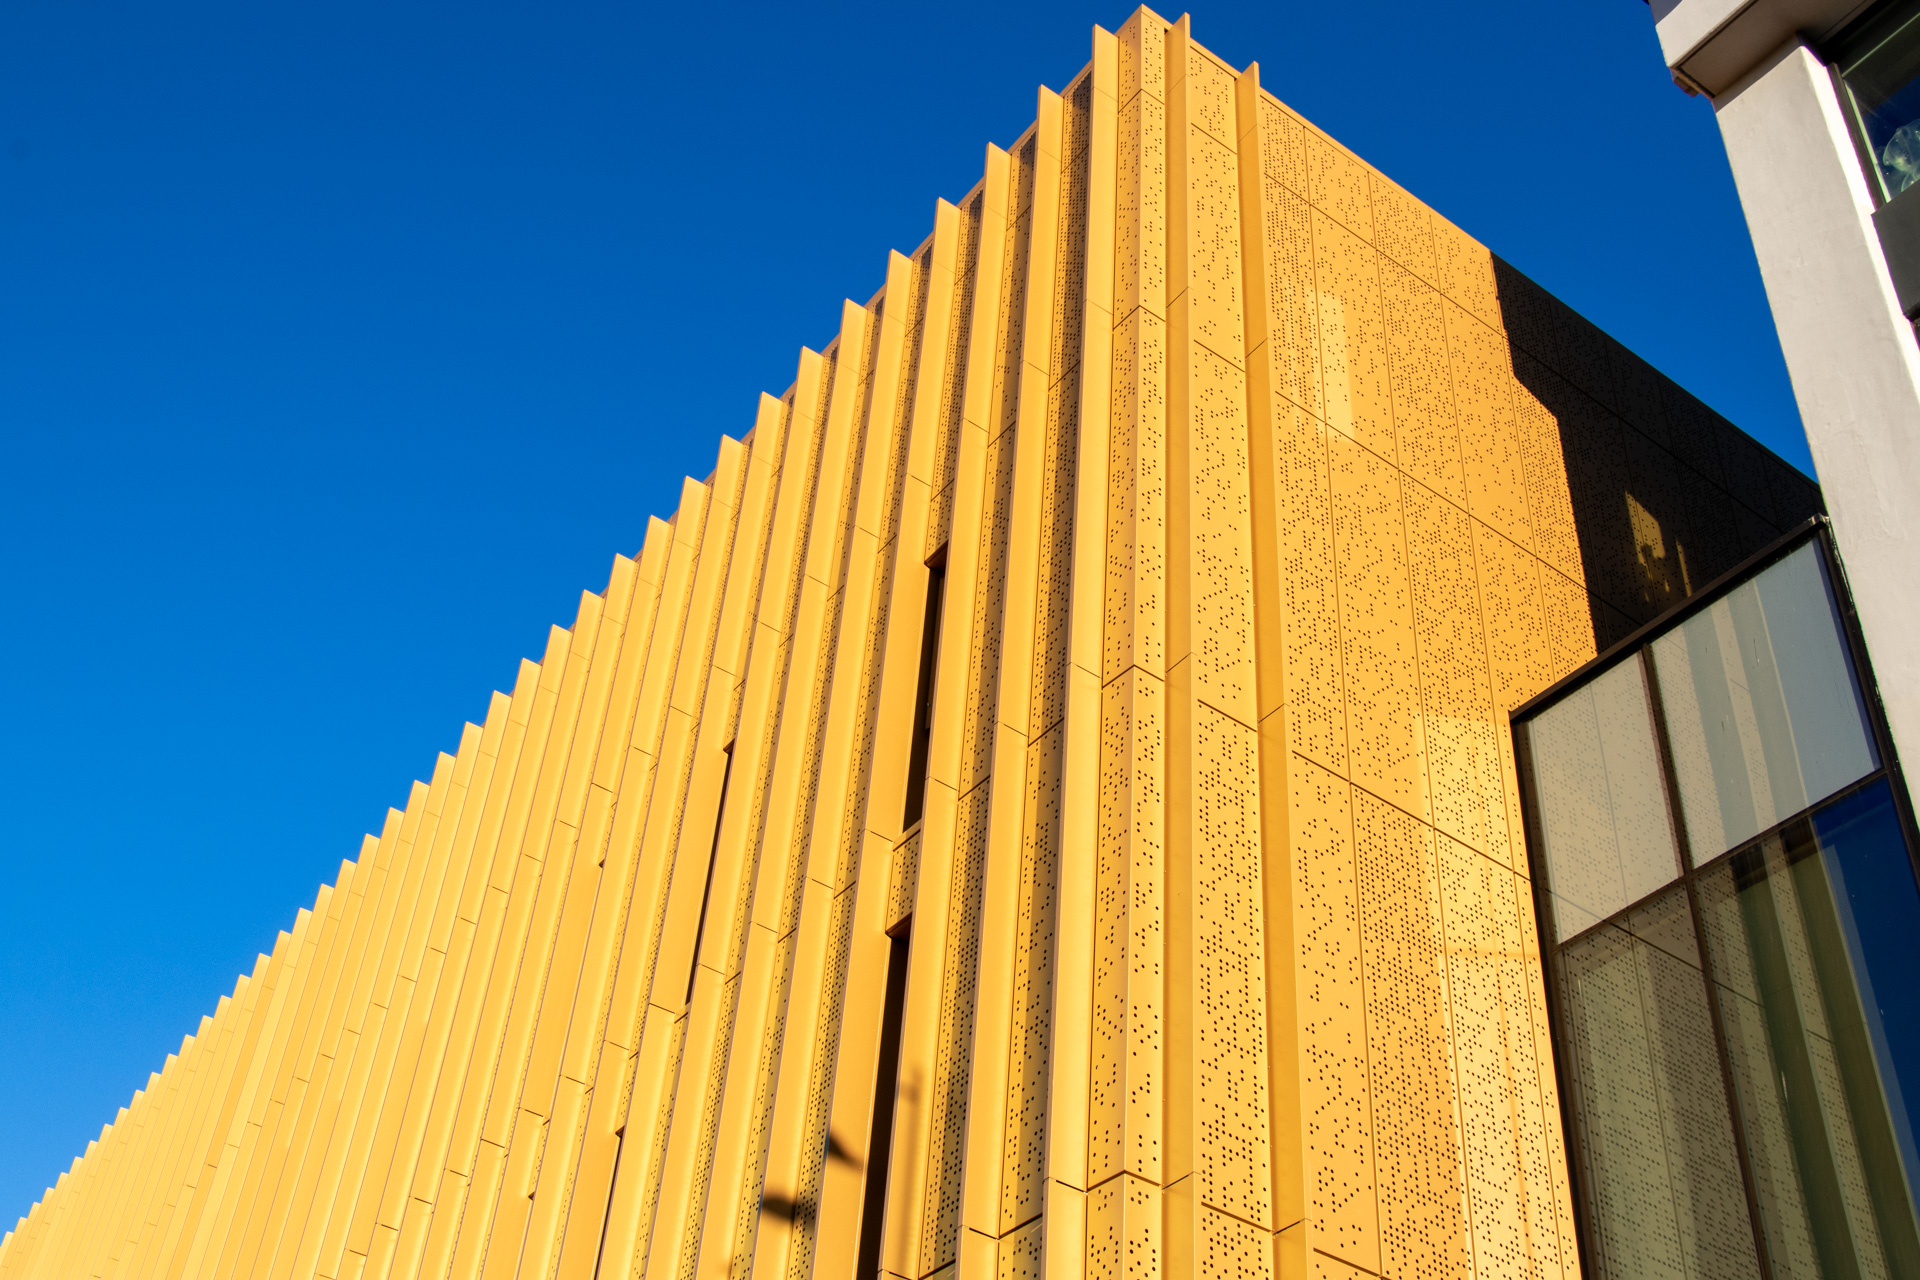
<point>1336,1122</point>
<point>1463,769</point>
<point>1230,1109</point>
<point>1470,489</point>
<point>826,1047</point>
<point>1310,619</point>
<point>953,1053</point>
<point>1353,336</point>
<point>989,602</point>
<point>1502,1125</point>
<point>1219,515</point>
<point>1495,472</point>
<point>1231,1249</point>
<point>650,1197</point>
<point>1010,351</point>
<point>1418,1155</point>
<point>946,456</point>
<point>1070,248</point>
<point>1384,729</point>
<point>1053,604</point>
<point>1403,228</point>
<point>1019,1256</point>
<point>709,1122</point>
<point>1135,631</point>
<point>1218,318</point>
<point>1519,661</point>
<point>1125,1108</point>
<point>1423,410</point>
<point>1123,1230</point>
<point>903,878</point>
<point>1293,300</point>
<point>1466,271</point>
<point>1023,1168</point>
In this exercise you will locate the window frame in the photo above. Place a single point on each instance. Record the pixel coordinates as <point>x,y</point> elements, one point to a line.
<point>1637,647</point>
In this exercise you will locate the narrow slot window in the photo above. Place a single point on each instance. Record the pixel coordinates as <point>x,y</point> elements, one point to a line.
<point>885,1082</point>
<point>923,701</point>
<point>706,894</point>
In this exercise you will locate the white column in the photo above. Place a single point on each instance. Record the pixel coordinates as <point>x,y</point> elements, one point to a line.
<point>1851,354</point>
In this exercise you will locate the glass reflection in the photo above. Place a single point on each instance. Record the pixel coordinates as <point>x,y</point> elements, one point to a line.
<point>1821,1139</point>
<point>1602,805</point>
<point>1880,66</point>
<point>1662,1176</point>
<point>1761,707</point>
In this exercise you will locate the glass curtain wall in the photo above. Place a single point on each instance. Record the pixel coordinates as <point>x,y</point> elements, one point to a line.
<point>1727,893</point>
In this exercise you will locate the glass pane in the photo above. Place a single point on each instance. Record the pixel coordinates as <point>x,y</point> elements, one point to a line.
<point>1762,709</point>
<point>1826,1161</point>
<point>1663,1186</point>
<point>1603,811</point>
<point>1880,65</point>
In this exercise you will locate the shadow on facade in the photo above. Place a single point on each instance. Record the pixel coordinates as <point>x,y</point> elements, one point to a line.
<point>1667,495</point>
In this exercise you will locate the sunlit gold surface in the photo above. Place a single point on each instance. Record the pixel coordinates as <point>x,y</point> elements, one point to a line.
<point>1263,493</point>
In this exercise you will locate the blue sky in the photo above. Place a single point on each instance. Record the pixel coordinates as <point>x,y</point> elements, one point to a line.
<point>342,345</point>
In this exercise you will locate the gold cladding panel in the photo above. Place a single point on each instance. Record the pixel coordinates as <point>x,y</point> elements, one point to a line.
<point>1463,769</point>
<point>1293,326</point>
<point>1514,1232</point>
<point>1310,618</point>
<point>1336,1124</point>
<point>953,391</point>
<point>1403,229</point>
<point>1210,96</point>
<point>903,878</point>
<point>1218,319</point>
<point>1126,1077</point>
<point>1140,198</point>
<point>1231,1249</point>
<point>940,1213</point>
<point>1384,730</point>
<point>1221,538</point>
<point>1229,1024</point>
<point>1549,493</point>
<point>1124,1230</point>
<point>1135,613</point>
<point>1518,658</point>
<point>1423,1222</point>
<point>1053,607</point>
<point>1019,1254</point>
<point>1431,577</point>
<point>1466,271</point>
<point>1491,458</point>
<point>1353,336</point>
<point>1427,430</point>
<point>1339,185</point>
<point>989,601</point>
<point>1023,1167</point>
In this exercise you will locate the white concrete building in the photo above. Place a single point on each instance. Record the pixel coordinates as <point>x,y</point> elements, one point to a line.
<point>1819,106</point>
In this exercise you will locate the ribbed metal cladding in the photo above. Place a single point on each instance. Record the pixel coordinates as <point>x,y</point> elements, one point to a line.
<point>1262,494</point>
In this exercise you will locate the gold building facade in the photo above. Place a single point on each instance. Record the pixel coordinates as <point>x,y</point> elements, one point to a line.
<point>1042,806</point>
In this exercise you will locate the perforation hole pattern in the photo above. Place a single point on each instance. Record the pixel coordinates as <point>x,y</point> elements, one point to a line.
<point>940,1214</point>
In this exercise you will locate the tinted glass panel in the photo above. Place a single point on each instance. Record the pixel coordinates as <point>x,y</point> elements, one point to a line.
<point>1661,1173</point>
<point>1880,64</point>
<point>1761,707</point>
<point>1820,1140</point>
<point>1602,805</point>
